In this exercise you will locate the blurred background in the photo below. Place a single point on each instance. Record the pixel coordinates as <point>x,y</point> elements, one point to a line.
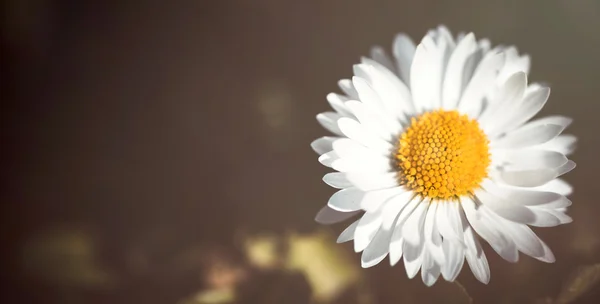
<point>158,151</point>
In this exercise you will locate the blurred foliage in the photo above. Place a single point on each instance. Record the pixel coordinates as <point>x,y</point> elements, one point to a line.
<point>216,296</point>
<point>263,251</point>
<point>66,258</point>
<point>269,268</point>
<point>325,264</point>
<point>579,283</point>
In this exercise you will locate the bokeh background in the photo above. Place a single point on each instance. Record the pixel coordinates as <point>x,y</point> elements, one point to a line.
<point>158,151</point>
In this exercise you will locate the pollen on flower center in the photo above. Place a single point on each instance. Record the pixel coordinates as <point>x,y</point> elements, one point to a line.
<point>442,155</point>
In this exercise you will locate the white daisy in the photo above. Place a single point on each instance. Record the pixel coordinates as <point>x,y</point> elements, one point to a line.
<point>435,149</point>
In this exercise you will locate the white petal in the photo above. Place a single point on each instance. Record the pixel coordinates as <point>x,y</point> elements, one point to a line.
<point>513,89</point>
<point>564,144</point>
<point>337,102</point>
<point>431,35</point>
<point>407,211</point>
<point>503,207</point>
<point>393,93</point>
<point>433,240</point>
<point>445,34</point>
<point>499,113</point>
<point>514,63</point>
<point>328,216</point>
<point>362,163</point>
<point>526,241</point>
<point>472,62</point>
<point>548,256</point>
<point>368,83</point>
<point>452,87</point>
<point>426,264</point>
<point>527,159</point>
<point>419,83</point>
<point>482,81</point>
<point>378,54</point>
<point>430,275</point>
<point>328,158</point>
<point>412,259</point>
<point>426,74</point>
<point>476,257</point>
<point>346,200</point>
<point>404,51</point>
<point>366,229</point>
<point>413,256</point>
<point>449,222</point>
<point>557,120</point>
<point>487,227</point>
<point>455,258</point>
<point>508,202</point>
<point>337,180</point>
<point>355,131</point>
<point>345,147</point>
<point>347,87</point>
<point>561,215</point>
<point>370,120</point>
<point>529,197</point>
<point>440,59</point>
<point>566,168</point>
<point>366,93</point>
<point>412,266</point>
<point>544,218</point>
<point>534,100</point>
<point>485,44</point>
<point>373,200</point>
<point>562,121</point>
<point>348,233</point>
<point>379,246</point>
<point>329,121</point>
<point>392,209</point>
<point>509,252</point>
<point>527,137</point>
<point>368,181</point>
<point>323,145</point>
<point>412,230</point>
<point>525,63</point>
<point>396,244</point>
<point>556,185</point>
<point>377,249</point>
<point>557,204</point>
<point>528,178</point>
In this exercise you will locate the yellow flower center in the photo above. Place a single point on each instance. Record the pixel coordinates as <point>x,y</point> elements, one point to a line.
<point>442,155</point>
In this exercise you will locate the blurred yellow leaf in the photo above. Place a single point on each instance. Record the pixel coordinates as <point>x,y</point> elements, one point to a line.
<point>579,282</point>
<point>263,251</point>
<point>327,267</point>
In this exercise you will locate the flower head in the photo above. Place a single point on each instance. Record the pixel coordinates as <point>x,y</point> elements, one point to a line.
<point>435,149</point>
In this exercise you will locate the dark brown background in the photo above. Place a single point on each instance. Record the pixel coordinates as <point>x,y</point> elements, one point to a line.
<point>153,126</point>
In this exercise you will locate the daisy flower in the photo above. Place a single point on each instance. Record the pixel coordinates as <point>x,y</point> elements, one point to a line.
<point>435,150</point>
